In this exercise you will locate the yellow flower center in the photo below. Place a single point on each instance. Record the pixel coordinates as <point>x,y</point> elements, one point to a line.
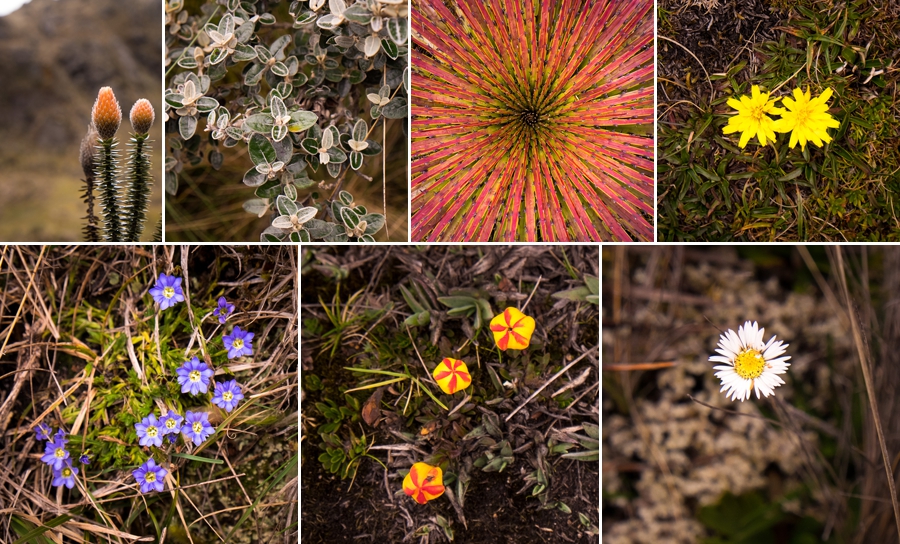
<point>227,396</point>
<point>169,292</point>
<point>150,476</point>
<point>198,427</point>
<point>238,343</point>
<point>170,423</point>
<point>60,453</point>
<point>66,472</point>
<point>194,376</point>
<point>749,364</point>
<point>801,115</point>
<point>152,432</point>
<point>758,112</point>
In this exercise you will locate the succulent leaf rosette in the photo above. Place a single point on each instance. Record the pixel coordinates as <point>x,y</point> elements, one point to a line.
<point>530,120</point>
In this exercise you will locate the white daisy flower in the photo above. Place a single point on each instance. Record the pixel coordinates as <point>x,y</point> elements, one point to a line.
<point>749,363</point>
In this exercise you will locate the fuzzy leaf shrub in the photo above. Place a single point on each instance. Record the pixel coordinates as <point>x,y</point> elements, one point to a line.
<point>532,120</point>
<point>287,85</point>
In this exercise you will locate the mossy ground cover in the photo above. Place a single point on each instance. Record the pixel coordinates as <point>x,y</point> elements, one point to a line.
<point>88,351</point>
<point>533,478</point>
<point>709,189</point>
<point>685,464</point>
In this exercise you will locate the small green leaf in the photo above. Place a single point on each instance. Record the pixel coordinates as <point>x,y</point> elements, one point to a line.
<point>261,150</point>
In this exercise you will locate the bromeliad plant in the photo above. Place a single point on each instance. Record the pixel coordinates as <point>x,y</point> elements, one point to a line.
<point>124,192</point>
<point>291,86</point>
<point>531,120</point>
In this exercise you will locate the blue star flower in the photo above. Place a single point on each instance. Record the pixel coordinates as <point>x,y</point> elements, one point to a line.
<point>150,476</point>
<point>55,453</point>
<point>171,423</point>
<point>224,310</point>
<point>194,377</point>
<point>149,431</point>
<point>65,476</point>
<point>196,427</point>
<point>238,343</point>
<point>42,432</point>
<point>167,291</point>
<point>227,395</point>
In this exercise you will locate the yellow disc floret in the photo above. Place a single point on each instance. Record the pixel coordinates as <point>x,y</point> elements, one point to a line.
<point>749,364</point>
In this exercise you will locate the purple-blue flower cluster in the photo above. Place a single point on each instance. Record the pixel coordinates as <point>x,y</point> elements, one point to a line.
<point>194,377</point>
<point>227,395</point>
<point>57,456</point>
<point>150,476</point>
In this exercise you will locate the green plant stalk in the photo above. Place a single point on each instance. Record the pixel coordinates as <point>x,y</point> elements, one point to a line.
<point>139,189</point>
<point>107,165</point>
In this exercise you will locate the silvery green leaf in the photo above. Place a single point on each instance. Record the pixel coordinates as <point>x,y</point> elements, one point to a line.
<point>358,14</point>
<point>390,48</point>
<point>174,100</point>
<point>271,234</point>
<point>318,228</point>
<point>302,120</point>
<point>360,130</point>
<point>243,52</point>
<point>356,160</point>
<point>396,108</point>
<point>253,178</point>
<point>263,168</point>
<point>244,32</point>
<point>306,213</point>
<point>187,126</point>
<point>384,92</point>
<point>215,159</point>
<point>171,183</point>
<point>253,74</point>
<point>277,47</point>
<point>310,145</point>
<point>262,53</point>
<point>233,5</point>
<point>270,189</point>
<point>278,107</point>
<point>205,104</point>
<point>294,237</point>
<point>376,24</point>
<point>374,222</point>
<point>226,25</point>
<point>375,112</point>
<point>316,4</point>
<point>328,137</point>
<point>284,89</point>
<point>279,69</point>
<point>337,7</point>
<point>334,75</point>
<point>336,156</point>
<point>267,19</point>
<point>235,133</point>
<point>282,222</point>
<point>349,218</point>
<point>334,169</point>
<point>300,79</point>
<point>356,76</point>
<point>328,22</point>
<point>290,191</point>
<point>260,122</point>
<point>303,235</point>
<point>261,150</point>
<point>204,83</point>
<point>284,150</point>
<point>189,63</point>
<point>256,206</point>
<point>398,30</point>
<point>286,206</point>
<point>194,81</point>
<point>372,45</point>
<point>305,18</point>
<point>345,197</point>
<point>406,79</point>
<point>374,148</point>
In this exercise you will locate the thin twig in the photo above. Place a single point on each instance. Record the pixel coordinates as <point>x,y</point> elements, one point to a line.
<point>548,382</point>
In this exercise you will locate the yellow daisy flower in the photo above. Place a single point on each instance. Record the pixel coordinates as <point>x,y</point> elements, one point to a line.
<point>752,117</point>
<point>807,120</point>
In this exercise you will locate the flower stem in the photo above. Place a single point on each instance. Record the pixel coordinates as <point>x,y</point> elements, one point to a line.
<point>139,189</point>
<point>107,165</point>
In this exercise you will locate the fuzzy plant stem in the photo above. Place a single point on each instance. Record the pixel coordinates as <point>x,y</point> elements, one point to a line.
<point>91,231</point>
<point>157,236</point>
<point>107,166</point>
<point>139,188</point>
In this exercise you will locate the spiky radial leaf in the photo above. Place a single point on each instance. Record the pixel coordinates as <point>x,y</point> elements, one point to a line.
<point>517,113</point>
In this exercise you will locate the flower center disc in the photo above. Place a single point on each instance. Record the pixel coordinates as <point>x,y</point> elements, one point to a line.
<point>169,292</point>
<point>198,427</point>
<point>749,364</point>
<point>227,396</point>
<point>150,477</point>
<point>60,453</point>
<point>238,343</point>
<point>195,376</point>
<point>152,432</point>
<point>170,424</point>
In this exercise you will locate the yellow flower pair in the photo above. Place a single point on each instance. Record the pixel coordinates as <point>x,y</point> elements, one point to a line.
<point>806,118</point>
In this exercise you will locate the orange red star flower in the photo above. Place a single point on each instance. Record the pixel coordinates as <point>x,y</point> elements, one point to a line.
<point>512,329</point>
<point>424,482</point>
<point>452,375</point>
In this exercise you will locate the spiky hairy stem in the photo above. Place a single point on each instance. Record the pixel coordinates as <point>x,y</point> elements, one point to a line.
<point>138,190</point>
<point>157,234</point>
<point>107,167</point>
<point>91,231</point>
<point>516,116</point>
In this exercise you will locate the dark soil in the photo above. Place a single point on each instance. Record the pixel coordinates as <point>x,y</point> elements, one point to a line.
<point>498,506</point>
